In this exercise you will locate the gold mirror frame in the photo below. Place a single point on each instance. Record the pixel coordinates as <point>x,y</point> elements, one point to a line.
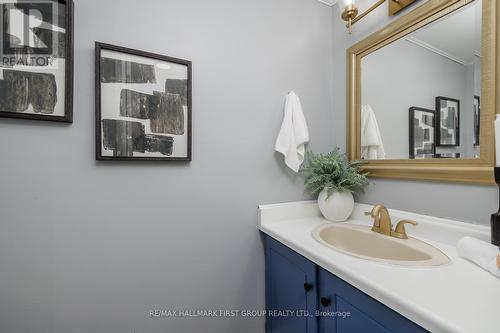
<point>474,171</point>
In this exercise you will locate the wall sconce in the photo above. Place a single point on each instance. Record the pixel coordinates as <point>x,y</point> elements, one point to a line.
<point>350,11</point>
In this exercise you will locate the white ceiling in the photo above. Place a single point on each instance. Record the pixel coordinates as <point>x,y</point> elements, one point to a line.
<point>457,35</point>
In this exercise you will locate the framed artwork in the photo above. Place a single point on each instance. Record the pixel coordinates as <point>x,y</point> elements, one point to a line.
<point>143,105</point>
<point>448,122</point>
<point>36,60</point>
<point>448,155</point>
<point>477,120</point>
<point>422,133</point>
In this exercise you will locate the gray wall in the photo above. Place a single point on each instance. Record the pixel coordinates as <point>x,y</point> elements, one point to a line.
<point>403,75</point>
<point>463,202</point>
<point>87,246</point>
<point>473,83</point>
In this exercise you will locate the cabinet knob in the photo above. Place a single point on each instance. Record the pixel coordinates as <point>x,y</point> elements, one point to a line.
<point>325,301</point>
<point>308,286</point>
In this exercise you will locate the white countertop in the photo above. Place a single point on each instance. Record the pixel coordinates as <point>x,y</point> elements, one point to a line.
<point>458,297</point>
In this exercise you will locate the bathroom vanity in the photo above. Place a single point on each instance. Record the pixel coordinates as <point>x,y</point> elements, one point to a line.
<point>311,287</point>
<point>324,303</point>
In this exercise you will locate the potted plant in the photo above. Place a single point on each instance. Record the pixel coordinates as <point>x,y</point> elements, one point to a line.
<point>335,178</point>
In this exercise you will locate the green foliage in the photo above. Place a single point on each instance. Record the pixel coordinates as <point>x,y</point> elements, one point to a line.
<point>333,172</point>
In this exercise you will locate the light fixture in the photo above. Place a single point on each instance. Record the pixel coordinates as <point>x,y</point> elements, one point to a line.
<point>349,11</point>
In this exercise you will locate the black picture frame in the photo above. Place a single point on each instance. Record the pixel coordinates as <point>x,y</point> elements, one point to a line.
<point>477,121</point>
<point>419,134</point>
<point>68,73</point>
<point>453,122</point>
<point>99,48</point>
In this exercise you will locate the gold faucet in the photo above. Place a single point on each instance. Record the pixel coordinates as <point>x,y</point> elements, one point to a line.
<point>383,224</point>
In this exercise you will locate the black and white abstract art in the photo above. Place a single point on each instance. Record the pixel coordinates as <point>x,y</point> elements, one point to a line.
<point>448,121</point>
<point>36,60</point>
<point>448,155</point>
<point>422,133</point>
<point>477,120</point>
<point>143,105</point>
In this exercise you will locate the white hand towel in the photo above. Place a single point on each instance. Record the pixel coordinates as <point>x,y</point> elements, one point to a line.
<point>481,253</point>
<point>372,147</point>
<point>294,134</point>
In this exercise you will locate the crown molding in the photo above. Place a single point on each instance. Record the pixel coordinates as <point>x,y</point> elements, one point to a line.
<point>436,50</point>
<point>328,2</point>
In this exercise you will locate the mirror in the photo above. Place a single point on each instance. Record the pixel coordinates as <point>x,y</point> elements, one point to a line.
<point>421,94</point>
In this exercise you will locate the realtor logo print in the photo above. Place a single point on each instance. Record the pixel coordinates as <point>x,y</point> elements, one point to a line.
<point>27,32</point>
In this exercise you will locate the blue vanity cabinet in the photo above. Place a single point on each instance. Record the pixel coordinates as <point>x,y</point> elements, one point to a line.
<point>345,309</point>
<point>291,290</point>
<point>294,283</point>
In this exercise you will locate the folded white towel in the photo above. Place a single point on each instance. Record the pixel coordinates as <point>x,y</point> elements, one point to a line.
<point>481,253</point>
<point>294,134</point>
<point>372,147</point>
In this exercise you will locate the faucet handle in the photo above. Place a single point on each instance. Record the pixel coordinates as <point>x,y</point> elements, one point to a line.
<point>400,231</point>
<point>372,212</point>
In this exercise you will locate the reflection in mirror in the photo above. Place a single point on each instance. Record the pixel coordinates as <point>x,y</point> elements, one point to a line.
<point>421,95</point>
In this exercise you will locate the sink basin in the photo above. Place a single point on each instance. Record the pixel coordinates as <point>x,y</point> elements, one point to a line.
<point>359,241</point>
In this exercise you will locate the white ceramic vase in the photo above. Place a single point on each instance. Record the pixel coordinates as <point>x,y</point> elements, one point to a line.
<point>336,208</point>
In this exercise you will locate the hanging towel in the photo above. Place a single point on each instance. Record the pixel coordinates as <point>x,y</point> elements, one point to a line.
<point>294,134</point>
<point>372,147</point>
<point>480,253</point>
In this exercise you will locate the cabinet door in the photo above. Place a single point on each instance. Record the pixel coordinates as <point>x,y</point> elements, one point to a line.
<point>345,309</point>
<point>291,290</point>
